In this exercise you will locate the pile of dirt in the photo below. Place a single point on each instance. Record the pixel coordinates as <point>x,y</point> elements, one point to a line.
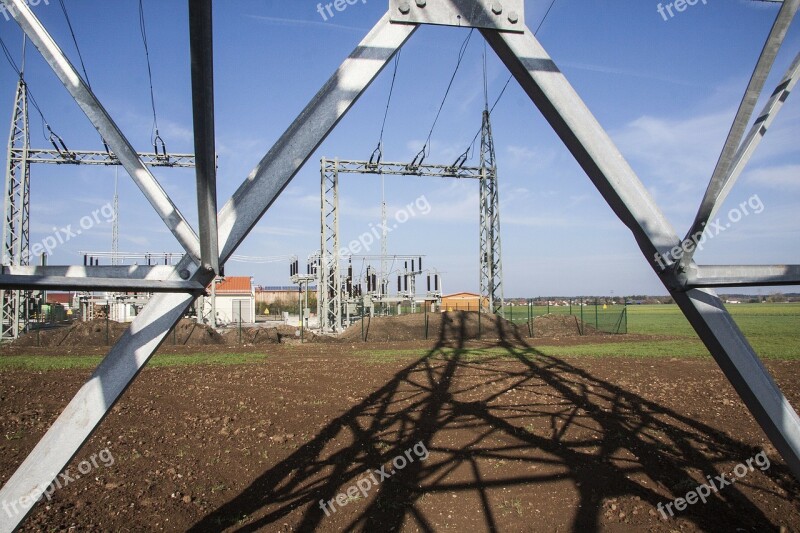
<point>257,336</point>
<point>189,333</point>
<point>449,326</point>
<point>98,332</point>
<point>556,326</point>
<point>266,335</point>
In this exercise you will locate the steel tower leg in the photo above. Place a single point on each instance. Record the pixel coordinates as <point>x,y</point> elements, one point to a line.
<point>236,218</point>
<point>597,154</point>
<point>16,209</point>
<point>491,264</point>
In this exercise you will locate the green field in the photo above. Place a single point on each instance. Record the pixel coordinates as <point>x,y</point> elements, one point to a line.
<point>773,329</point>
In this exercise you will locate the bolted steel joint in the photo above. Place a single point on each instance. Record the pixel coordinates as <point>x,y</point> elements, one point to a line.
<point>497,8</point>
<point>404,8</point>
<point>421,3</point>
<point>513,17</point>
<point>676,277</point>
<point>184,274</point>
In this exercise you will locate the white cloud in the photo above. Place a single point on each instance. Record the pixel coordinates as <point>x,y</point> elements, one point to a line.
<point>778,177</point>
<point>677,153</point>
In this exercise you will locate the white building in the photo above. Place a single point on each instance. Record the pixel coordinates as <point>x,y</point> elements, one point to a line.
<point>234,297</point>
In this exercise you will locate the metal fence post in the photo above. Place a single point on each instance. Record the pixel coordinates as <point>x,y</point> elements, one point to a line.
<point>530,318</point>
<point>479,318</point>
<point>426,320</point>
<point>300,310</point>
<point>596,318</point>
<point>108,312</point>
<point>240,322</point>
<point>581,324</point>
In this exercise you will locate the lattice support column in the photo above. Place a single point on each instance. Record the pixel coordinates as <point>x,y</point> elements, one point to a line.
<point>330,281</point>
<point>491,264</point>
<point>16,215</point>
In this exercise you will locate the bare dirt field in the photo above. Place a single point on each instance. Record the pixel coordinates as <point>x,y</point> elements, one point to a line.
<point>514,439</point>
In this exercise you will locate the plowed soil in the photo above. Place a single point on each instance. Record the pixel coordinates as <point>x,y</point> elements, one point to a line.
<point>516,440</point>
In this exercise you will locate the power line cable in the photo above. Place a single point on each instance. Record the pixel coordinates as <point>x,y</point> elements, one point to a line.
<point>552,3</point>
<point>379,150</point>
<point>154,137</point>
<point>420,157</point>
<point>53,137</point>
<point>80,58</point>
<point>468,153</point>
<point>75,41</point>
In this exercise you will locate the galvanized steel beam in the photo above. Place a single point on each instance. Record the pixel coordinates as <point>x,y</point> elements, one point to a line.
<point>618,184</point>
<point>751,142</point>
<point>99,157</point>
<point>744,276</point>
<point>312,126</point>
<point>722,171</point>
<point>93,401</point>
<point>202,52</point>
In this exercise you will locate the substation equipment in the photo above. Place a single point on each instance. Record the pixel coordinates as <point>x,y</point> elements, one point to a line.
<point>18,305</point>
<point>502,24</point>
<point>365,294</point>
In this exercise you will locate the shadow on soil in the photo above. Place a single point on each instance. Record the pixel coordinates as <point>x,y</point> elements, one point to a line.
<point>592,424</point>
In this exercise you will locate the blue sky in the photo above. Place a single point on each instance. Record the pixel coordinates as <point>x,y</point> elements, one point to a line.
<point>666,91</point>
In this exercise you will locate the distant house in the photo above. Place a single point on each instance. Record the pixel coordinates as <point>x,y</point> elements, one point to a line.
<point>270,295</point>
<point>461,301</point>
<point>235,297</point>
<point>65,299</point>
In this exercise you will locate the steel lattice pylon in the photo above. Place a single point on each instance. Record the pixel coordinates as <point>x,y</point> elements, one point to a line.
<point>16,211</point>
<point>330,281</point>
<point>491,263</point>
<point>504,28</point>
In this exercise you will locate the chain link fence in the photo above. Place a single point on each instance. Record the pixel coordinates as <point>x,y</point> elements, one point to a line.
<point>591,313</point>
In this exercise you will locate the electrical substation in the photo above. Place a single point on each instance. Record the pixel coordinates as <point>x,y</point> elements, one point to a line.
<point>155,290</point>
<point>336,293</point>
